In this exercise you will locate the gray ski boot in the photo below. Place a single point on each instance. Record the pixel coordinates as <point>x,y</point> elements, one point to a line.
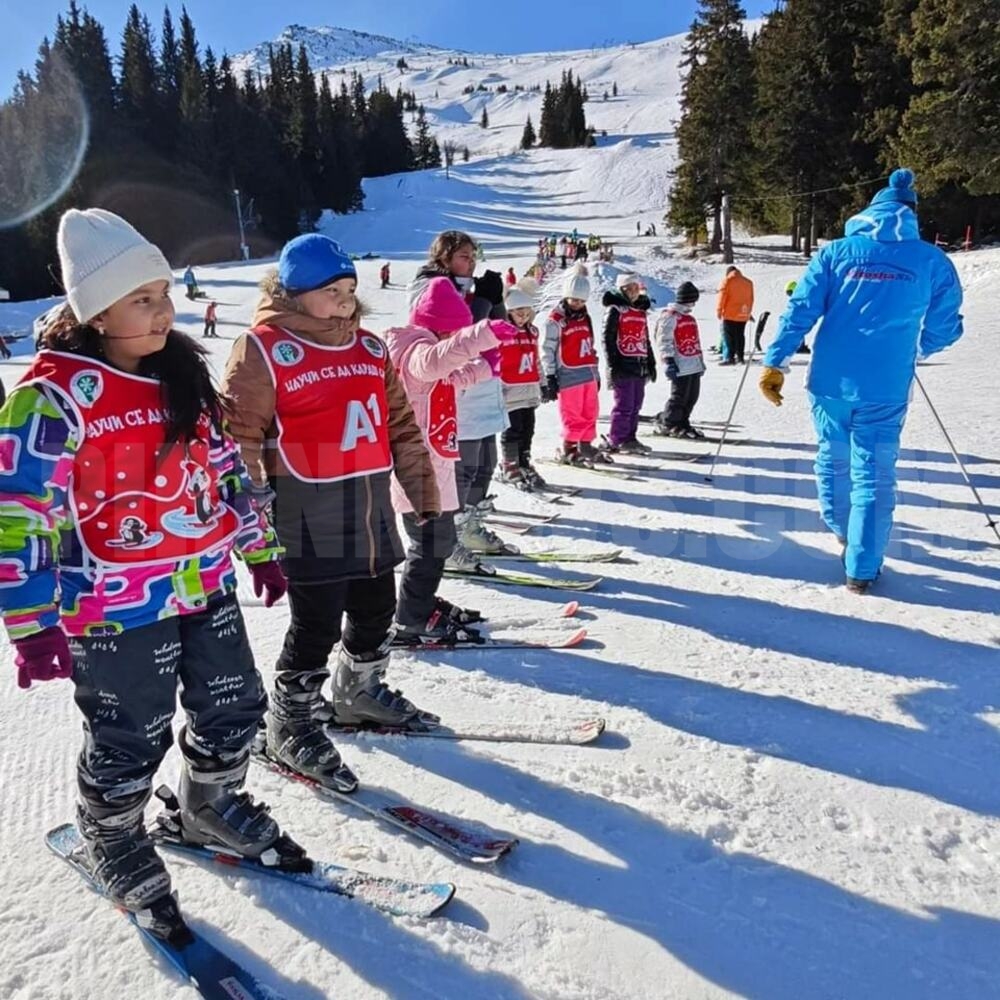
<point>211,809</point>
<point>362,698</point>
<point>295,736</point>
<point>125,863</point>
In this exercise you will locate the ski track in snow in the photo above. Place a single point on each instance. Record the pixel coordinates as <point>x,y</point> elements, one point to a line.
<point>797,794</point>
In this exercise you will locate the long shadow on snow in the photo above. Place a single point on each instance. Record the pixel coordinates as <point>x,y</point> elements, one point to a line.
<point>346,929</point>
<point>749,925</point>
<point>943,759</point>
<point>904,473</point>
<point>268,973</point>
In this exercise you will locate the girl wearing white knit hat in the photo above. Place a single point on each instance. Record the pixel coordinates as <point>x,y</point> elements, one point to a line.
<point>522,394</point>
<point>124,498</point>
<point>569,362</point>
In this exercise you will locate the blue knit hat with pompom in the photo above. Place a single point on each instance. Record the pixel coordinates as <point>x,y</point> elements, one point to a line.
<point>900,189</point>
<point>313,261</point>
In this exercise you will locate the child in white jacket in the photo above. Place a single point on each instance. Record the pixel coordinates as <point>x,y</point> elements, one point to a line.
<point>679,347</point>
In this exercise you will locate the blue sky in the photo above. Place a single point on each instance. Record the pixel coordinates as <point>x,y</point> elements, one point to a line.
<point>504,26</point>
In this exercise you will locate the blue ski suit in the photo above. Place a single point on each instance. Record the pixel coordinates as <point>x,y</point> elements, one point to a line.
<point>883,298</point>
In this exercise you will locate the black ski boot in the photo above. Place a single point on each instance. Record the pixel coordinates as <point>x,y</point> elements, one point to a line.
<point>126,865</point>
<point>362,698</point>
<point>461,616</point>
<point>295,734</point>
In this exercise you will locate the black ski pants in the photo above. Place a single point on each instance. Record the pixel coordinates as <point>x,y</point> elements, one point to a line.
<point>317,614</point>
<point>684,393</point>
<point>735,334</point>
<point>517,438</point>
<point>126,688</point>
<point>474,469</point>
<point>430,545</point>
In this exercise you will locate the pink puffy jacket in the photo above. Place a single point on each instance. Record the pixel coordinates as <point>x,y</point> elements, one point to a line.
<point>421,359</point>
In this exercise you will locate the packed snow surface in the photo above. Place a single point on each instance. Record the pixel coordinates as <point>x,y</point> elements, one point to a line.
<point>797,794</point>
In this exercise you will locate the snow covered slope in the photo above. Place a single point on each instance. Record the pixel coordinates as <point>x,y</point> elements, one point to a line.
<point>796,797</point>
<point>797,794</point>
<point>327,46</point>
<point>647,76</point>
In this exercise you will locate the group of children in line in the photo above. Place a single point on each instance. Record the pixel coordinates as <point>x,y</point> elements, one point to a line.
<point>130,482</point>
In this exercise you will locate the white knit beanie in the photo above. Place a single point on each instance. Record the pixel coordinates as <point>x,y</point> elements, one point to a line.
<point>575,284</point>
<point>103,258</point>
<point>522,295</point>
<point>627,278</point>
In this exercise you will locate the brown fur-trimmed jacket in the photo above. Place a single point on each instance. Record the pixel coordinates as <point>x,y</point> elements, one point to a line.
<point>337,530</point>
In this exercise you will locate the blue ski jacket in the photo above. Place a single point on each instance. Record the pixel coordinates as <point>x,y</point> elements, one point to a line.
<point>882,297</point>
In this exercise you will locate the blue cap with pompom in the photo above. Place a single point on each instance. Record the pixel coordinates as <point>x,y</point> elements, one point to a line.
<point>900,189</point>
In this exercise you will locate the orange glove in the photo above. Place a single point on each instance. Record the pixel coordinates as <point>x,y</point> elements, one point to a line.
<point>771,381</point>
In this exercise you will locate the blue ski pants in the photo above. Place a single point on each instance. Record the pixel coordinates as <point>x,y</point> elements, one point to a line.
<point>858,446</point>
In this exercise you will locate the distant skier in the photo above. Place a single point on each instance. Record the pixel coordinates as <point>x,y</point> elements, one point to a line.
<point>883,297</point>
<point>384,275</point>
<point>5,352</point>
<point>170,621</point>
<point>210,315</point>
<point>510,278</point>
<point>190,283</point>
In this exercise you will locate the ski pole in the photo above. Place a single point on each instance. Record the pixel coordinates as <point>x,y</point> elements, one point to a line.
<point>736,398</point>
<point>955,455</point>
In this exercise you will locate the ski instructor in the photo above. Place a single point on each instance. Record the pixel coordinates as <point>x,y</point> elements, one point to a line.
<point>883,298</point>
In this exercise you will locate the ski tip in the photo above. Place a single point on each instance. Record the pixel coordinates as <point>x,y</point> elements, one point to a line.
<point>587,732</point>
<point>574,639</point>
<point>569,609</point>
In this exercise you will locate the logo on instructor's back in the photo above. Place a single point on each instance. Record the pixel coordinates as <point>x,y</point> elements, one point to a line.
<point>86,387</point>
<point>287,352</point>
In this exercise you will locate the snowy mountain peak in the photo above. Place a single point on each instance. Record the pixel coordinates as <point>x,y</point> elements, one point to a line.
<point>328,46</point>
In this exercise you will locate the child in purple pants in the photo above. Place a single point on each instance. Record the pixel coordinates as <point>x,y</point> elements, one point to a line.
<point>630,360</point>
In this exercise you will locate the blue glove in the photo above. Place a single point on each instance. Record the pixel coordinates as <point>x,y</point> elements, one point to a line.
<point>672,370</point>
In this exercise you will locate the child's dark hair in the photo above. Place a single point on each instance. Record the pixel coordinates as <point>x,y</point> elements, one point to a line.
<point>186,382</point>
<point>445,245</point>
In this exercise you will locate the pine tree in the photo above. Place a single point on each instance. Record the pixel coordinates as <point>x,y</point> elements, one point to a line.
<point>716,113</point>
<point>950,133</point>
<point>169,85</point>
<point>484,119</point>
<point>528,135</point>
<point>614,88</point>
<point>194,136</point>
<point>137,86</point>
<point>387,149</point>
<point>546,125</point>
<point>423,156</point>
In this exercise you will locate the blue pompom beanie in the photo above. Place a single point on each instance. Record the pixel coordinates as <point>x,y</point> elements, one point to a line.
<point>900,189</point>
<point>312,261</point>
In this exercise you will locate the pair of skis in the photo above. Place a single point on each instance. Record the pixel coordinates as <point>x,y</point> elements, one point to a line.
<point>210,970</point>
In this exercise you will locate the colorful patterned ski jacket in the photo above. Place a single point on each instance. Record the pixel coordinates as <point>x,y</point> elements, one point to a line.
<point>102,527</point>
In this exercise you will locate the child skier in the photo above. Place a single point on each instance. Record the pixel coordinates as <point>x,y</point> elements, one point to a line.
<point>481,412</point>
<point>569,362</point>
<point>322,420</point>
<point>441,350</point>
<point>677,340</point>
<point>630,360</point>
<point>123,500</point>
<point>519,371</point>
